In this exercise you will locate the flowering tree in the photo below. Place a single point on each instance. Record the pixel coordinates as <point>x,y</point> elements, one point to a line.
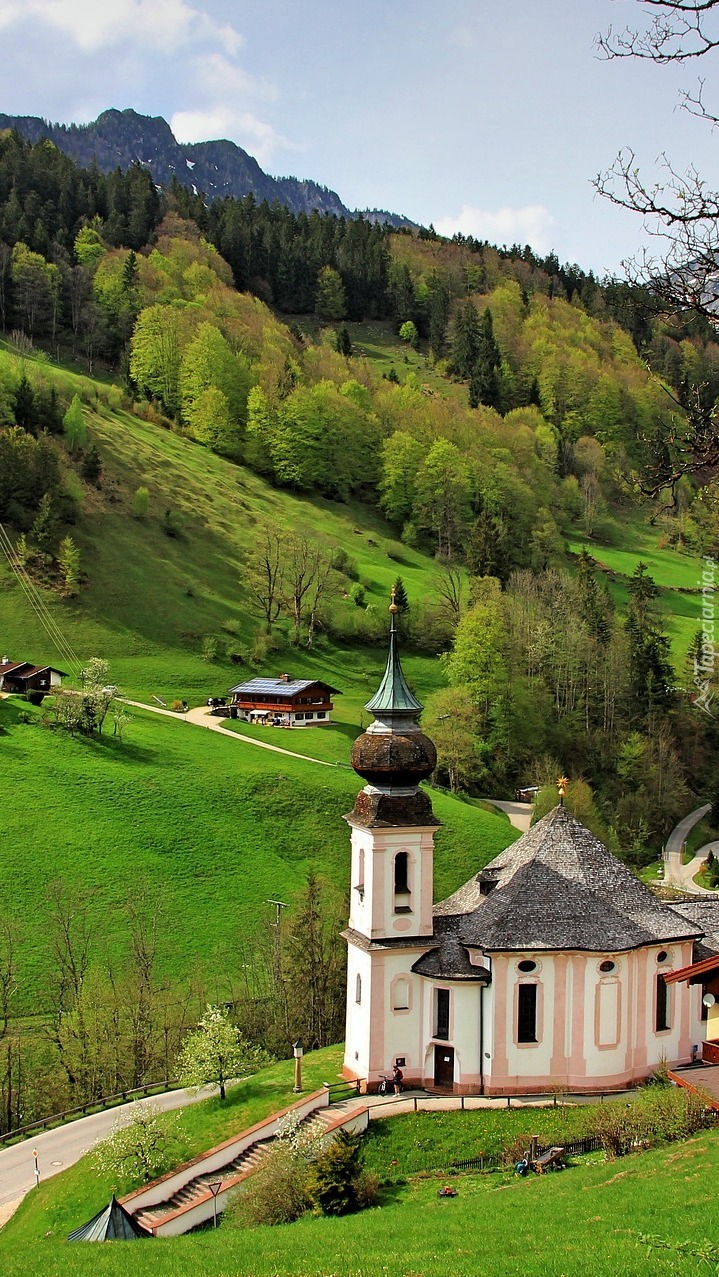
<point>216,1051</point>
<point>138,1143</point>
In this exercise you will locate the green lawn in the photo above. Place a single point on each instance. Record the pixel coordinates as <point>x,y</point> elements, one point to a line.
<point>413,1142</point>
<point>209,825</point>
<point>587,1222</point>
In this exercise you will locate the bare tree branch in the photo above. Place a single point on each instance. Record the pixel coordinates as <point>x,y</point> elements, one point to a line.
<point>677,31</point>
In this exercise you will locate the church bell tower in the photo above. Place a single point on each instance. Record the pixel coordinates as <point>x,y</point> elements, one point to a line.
<point>391,888</point>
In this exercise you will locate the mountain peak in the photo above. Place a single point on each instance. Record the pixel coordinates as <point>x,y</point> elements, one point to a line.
<point>119,138</point>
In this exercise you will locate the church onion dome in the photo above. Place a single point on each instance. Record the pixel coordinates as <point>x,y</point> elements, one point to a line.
<point>396,760</point>
<point>557,888</point>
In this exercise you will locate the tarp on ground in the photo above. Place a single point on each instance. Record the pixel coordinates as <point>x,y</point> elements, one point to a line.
<point>113,1223</point>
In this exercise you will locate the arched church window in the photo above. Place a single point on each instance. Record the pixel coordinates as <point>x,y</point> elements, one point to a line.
<point>662,1019</point>
<point>402,900</point>
<point>527,1013</point>
<point>441,1014</point>
<point>358,988</point>
<point>400,995</point>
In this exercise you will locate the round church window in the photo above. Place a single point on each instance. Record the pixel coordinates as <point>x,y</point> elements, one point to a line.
<point>607,966</point>
<point>662,956</point>
<point>526,965</point>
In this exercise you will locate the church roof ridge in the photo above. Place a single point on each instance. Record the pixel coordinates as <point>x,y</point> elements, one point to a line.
<point>559,887</point>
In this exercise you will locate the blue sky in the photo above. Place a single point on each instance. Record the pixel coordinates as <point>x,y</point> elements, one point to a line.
<point>488,118</point>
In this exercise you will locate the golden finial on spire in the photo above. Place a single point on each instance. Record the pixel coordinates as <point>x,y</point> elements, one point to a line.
<point>562,787</point>
<point>393,606</point>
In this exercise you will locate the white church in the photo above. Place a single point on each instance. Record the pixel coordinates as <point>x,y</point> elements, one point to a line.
<point>552,966</point>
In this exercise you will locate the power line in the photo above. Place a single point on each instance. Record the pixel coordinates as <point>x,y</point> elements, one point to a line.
<point>38,604</point>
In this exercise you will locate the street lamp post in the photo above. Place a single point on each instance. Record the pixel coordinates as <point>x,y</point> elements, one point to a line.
<point>214,1189</point>
<point>298,1052</point>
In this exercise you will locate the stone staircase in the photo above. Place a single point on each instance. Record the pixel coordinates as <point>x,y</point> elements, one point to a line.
<point>231,1172</point>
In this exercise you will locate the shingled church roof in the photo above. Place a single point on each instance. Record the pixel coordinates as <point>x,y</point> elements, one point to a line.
<point>558,887</point>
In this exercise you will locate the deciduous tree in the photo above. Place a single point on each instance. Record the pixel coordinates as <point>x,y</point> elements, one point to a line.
<point>216,1052</point>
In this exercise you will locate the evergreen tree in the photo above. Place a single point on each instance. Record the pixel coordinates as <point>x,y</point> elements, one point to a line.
<point>91,468</point>
<point>42,532</point>
<point>651,676</point>
<point>343,343</point>
<point>68,559</point>
<point>334,1175</point>
<point>330,300</point>
<point>400,595</point>
<point>465,340</point>
<point>438,300</point>
<point>484,378</point>
<point>24,410</point>
<point>73,424</point>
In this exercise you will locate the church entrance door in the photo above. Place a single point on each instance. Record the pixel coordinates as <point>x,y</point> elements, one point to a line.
<point>444,1066</point>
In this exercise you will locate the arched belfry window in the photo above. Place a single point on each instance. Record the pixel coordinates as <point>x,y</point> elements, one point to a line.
<point>358,988</point>
<point>402,901</point>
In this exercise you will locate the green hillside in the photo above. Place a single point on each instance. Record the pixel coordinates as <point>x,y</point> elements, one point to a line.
<point>593,1219</point>
<point>208,826</point>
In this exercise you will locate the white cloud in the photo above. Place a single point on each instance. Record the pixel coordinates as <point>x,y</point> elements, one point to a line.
<point>96,24</point>
<point>242,127</point>
<point>216,75</point>
<point>222,96</point>
<point>533,224</point>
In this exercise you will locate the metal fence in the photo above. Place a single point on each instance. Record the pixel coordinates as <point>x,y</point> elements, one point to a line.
<point>90,1106</point>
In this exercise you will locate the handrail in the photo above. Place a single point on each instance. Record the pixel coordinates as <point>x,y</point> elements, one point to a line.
<point>81,1110</point>
<point>353,1088</point>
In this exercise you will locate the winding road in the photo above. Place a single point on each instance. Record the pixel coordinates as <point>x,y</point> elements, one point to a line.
<point>675,873</point>
<point>65,1145</point>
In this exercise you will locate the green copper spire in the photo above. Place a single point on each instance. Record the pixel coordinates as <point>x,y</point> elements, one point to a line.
<point>393,695</point>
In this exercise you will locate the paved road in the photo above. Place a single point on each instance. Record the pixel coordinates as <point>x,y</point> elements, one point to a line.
<point>65,1145</point>
<point>675,873</point>
<point>687,872</point>
<point>201,716</point>
<point>520,814</point>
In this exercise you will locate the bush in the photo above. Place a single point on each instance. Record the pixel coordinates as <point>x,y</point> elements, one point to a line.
<point>333,1183</point>
<point>368,1187</point>
<point>357,594</point>
<point>209,647</point>
<point>343,563</point>
<point>275,1194</point>
<point>657,1115</point>
<point>141,503</point>
<point>172,523</point>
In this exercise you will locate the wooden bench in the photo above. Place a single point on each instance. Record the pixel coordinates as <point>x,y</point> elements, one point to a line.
<point>552,1160</point>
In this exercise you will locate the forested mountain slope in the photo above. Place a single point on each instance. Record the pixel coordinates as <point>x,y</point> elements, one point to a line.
<point>119,139</point>
<point>493,408</point>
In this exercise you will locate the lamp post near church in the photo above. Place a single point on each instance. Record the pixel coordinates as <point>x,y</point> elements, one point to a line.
<point>298,1052</point>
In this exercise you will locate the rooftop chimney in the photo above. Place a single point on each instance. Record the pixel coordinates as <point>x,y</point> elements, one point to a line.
<point>284,678</point>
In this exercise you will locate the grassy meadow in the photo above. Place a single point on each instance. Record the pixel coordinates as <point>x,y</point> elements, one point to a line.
<point>205,824</point>
<point>591,1221</point>
<point>677,574</point>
